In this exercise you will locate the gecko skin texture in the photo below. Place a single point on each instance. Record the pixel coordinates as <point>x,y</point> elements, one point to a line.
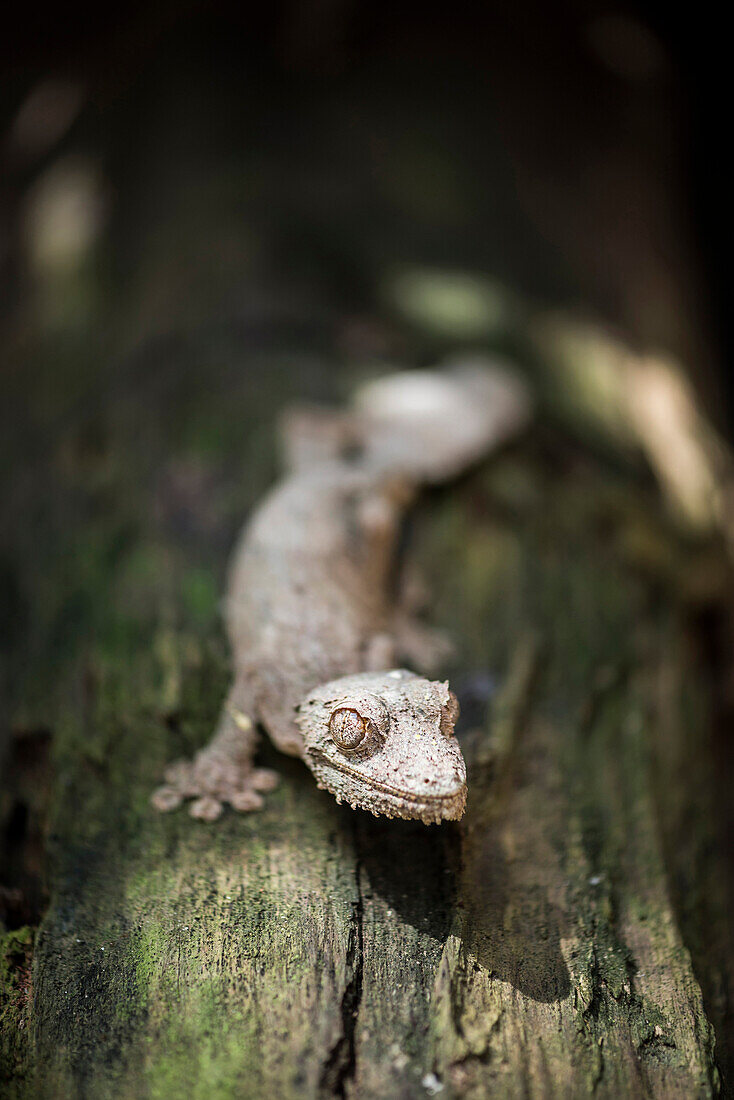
<point>317,629</point>
<point>399,745</point>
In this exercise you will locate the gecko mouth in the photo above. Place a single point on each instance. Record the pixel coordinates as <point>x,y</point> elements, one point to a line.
<point>384,798</point>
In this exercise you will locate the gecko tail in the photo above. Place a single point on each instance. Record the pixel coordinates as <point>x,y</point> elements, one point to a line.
<point>431,425</point>
<point>425,426</point>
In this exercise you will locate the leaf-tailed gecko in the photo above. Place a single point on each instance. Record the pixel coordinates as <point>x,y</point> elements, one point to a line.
<point>316,626</point>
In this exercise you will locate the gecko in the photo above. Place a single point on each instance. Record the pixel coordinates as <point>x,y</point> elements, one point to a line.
<point>319,629</point>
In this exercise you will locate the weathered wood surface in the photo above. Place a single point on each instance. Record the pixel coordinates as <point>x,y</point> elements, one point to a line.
<point>541,948</point>
<point>572,936</point>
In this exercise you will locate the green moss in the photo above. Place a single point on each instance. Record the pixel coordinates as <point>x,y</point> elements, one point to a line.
<point>16,952</point>
<point>303,949</point>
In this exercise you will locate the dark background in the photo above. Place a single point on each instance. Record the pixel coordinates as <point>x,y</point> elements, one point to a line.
<point>588,140</point>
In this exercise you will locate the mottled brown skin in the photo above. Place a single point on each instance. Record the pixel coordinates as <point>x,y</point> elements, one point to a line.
<point>311,599</point>
<point>385,741</point>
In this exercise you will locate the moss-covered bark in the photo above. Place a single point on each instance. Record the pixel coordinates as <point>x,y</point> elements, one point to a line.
<point>16,952</point>
<point>571,937</point>
<point>537,949</point>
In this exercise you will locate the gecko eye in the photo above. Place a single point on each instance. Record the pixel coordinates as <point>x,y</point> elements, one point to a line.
<point>349,730</point>
<point>359,726</point>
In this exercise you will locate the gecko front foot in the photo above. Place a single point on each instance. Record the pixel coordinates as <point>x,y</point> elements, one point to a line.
<point>210,784</point>
<point>221,773</point>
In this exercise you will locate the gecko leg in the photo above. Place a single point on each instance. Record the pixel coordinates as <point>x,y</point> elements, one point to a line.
<point>411,642</point>
<point>221,772</point>
<point>423,647</point>
<point>379,652</point>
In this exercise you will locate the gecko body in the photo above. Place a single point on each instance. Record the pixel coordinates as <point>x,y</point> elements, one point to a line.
<point>319,630</point>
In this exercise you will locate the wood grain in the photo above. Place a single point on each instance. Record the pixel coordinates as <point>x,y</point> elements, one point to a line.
<point>537,949</point>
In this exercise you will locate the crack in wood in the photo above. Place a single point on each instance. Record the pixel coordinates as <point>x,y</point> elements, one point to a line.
<point>340,1066</point>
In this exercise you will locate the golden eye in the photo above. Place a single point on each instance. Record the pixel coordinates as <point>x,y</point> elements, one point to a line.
<point>349,730</point>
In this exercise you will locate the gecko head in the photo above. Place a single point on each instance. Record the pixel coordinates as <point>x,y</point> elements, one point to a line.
<point>384,742</point>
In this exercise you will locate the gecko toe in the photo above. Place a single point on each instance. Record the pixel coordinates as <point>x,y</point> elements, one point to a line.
<point>245,801</point>
<point>263,779</point>
<point>206,808</point>
<point>166,798</point>
<point>178,774</point>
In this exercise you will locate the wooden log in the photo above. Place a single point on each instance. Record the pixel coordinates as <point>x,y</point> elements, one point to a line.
<point>546,946</point>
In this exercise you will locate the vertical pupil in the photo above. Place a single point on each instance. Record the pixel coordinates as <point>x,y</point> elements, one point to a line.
<point>348,728</point>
